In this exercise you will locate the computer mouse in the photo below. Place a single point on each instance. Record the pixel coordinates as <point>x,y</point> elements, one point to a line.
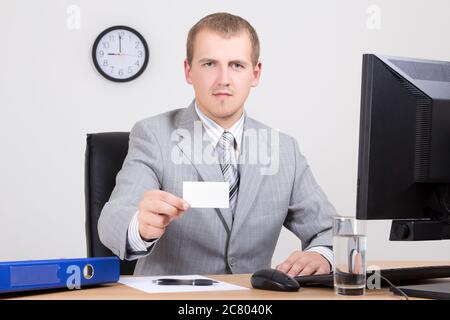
<point>272,279</point>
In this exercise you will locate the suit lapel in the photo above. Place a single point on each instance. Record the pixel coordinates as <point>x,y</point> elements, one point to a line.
<point>191,143</point>
<point>250,177</point>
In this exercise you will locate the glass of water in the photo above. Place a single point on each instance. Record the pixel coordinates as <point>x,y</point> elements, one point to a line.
<point>349,248</point>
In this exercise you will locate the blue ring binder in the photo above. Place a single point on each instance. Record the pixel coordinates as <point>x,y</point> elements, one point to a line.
<point>17,276</point>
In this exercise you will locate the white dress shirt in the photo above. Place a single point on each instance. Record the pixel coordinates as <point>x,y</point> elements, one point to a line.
<point>137,246</point>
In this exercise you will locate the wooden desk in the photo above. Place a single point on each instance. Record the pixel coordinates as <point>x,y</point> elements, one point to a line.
<point>118,291</point>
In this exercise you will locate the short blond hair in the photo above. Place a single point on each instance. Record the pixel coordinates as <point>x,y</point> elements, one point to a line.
<point>226,25</point>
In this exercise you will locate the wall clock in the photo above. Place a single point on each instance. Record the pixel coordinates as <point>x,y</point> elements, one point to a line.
<point>120,53</point>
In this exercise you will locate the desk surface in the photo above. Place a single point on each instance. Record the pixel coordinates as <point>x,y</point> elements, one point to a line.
<point>119,291</point>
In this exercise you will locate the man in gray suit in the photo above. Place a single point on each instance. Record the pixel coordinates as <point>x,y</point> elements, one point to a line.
<point>215,140</point>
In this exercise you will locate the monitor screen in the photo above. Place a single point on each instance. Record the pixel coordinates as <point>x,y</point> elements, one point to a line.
<point>404,148</point>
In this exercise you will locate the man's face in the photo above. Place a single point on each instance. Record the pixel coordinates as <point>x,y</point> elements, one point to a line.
<point>222,74</point>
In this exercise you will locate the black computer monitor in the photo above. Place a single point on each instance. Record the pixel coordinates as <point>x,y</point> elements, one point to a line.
<point>404,147</point>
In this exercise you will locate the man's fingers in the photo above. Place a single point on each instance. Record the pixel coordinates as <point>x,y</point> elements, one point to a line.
<point>296,268</point>
<point>285,266</point>
<point>155,220</point>
<point>304,263</point>
<point>161,207</point>
<point>294,257</point>
<point>322,270</point>
<point>155,194</point>
<point>174,201</point>
<point>156,210</point>
<point>289,262</point>
<point>309,269</point>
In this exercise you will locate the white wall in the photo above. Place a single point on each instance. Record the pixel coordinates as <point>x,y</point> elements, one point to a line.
<point>51,96</point>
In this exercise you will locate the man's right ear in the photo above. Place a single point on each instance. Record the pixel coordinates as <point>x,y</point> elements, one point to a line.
<point>187,71</point>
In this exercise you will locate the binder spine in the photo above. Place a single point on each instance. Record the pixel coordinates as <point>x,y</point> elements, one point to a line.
<point>62,273</point>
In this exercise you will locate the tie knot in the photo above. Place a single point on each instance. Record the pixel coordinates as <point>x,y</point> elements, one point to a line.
<point>227,140</point>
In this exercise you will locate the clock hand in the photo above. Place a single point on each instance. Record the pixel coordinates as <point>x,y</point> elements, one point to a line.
<point>122,54</point>
<point>120,44</point>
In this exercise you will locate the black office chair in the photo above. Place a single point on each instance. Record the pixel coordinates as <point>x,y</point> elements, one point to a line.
<point>105,153</point>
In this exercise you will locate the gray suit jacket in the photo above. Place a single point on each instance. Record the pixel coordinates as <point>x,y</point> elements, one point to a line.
<point>210,241</point>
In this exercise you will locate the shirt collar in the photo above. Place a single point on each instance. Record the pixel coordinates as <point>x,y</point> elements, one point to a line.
<point>215,131</point>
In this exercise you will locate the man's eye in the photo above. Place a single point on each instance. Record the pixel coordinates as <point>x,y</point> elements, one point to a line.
<point>237,66</point>
<point>208,64</point>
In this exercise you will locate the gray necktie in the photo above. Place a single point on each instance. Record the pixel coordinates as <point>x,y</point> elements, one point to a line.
<point>229,167</point>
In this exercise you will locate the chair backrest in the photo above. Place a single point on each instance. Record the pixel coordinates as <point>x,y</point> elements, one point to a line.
<point>105,153</point>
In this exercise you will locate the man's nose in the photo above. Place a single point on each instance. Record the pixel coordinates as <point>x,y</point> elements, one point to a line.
<point>223,77</point>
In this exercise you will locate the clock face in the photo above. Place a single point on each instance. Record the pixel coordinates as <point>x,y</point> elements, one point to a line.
<point>120,54</point>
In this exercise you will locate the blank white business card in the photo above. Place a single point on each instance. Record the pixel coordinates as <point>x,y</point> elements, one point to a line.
<point>206,194</point>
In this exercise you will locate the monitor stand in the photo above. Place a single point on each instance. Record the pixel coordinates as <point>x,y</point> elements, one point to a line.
<point>420,229</point>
